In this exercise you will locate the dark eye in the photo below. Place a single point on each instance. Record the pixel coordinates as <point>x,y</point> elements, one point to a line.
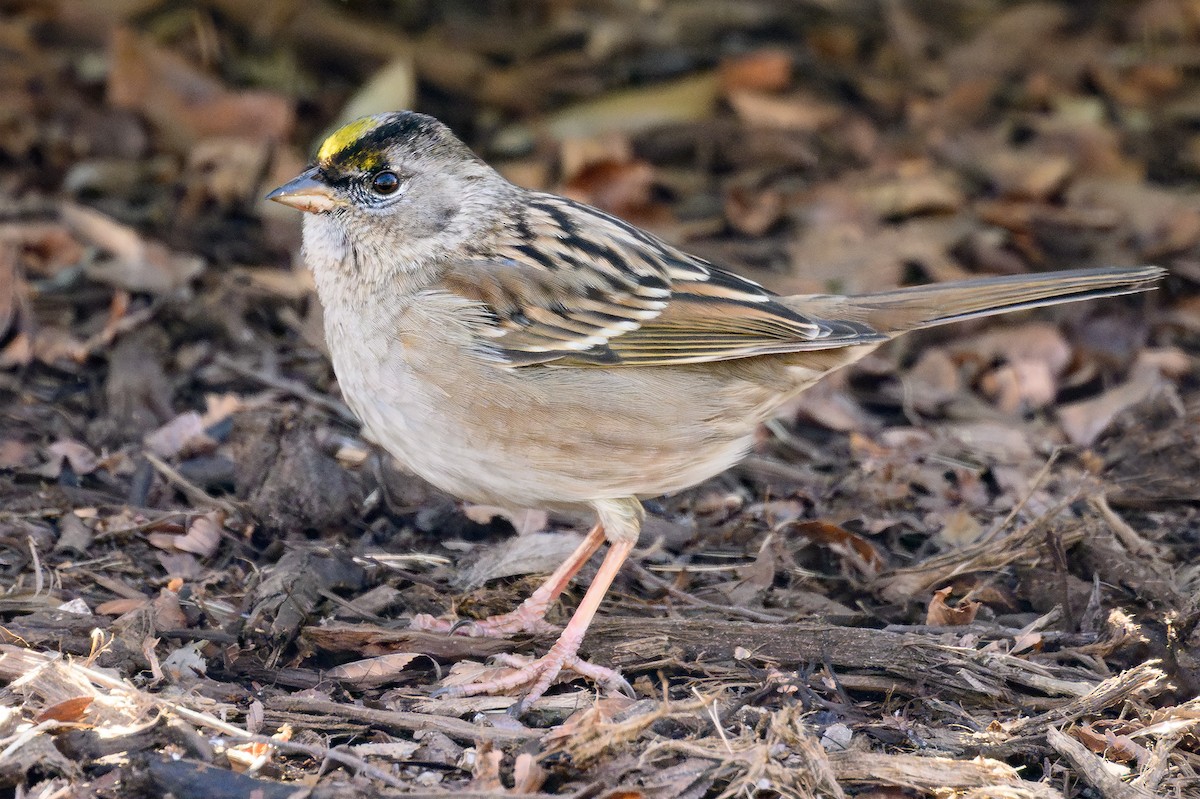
<point>385,183</point>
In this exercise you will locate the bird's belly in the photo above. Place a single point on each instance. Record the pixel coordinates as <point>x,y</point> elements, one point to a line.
<point>541,437</point>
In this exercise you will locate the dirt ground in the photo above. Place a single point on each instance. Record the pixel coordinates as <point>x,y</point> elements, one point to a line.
<point>968,567</point>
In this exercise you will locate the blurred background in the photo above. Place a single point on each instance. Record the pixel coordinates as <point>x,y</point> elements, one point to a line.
<point>828,145</point>
<point>171,436</point>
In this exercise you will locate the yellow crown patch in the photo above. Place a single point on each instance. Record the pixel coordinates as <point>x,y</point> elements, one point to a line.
<point>345,136</point>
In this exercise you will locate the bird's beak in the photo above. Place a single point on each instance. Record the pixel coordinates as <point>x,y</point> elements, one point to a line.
<point>307,193</point>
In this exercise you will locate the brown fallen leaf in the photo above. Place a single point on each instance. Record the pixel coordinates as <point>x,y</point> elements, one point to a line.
<point>535,553</point>
<point>857,550</point>
<point>768,70</point>
<point>941,614</point>
<point>960,528</point>
<point>797,112</point>
<point>120,607</point>
<point>624,188</point>
<point>914,192</point>
<point>528,775</point>
<point>525,521</point>
<point>485,773</point>
<point>375,671</point>
<point>753,211</point>
<point>203,536</point>
<point>68,710</point>
<point>183,434</point>
<point>1107,742</point>
<point>226,171</point>
<point>634,110</point>
<point>185,104</point>
<point>11,292</point>
<point>1020,386</point>
<point>1084,421</point>
<point>78,455</point>
<point>16,454</point>
<point>168,613</point>
<point>133,262</point>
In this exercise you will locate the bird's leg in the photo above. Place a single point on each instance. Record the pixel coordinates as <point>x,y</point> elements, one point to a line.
<point>539,673</point>
<point>530,615</point>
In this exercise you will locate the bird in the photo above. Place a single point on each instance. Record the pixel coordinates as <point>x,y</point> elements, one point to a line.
<point>516,348</point>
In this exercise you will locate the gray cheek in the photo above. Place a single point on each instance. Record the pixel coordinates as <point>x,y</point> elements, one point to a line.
<point>428,219</point>
<point>441,217</point>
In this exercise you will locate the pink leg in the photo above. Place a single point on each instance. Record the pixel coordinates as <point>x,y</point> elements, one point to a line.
<point>539,673</point>
<point>530,615</point>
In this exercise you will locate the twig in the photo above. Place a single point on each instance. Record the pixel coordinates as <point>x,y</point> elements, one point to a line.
<point>114,684</point>
<point>653,579</point>
<point>294,387</point>
<point>193,492</point>
<point>1020,506</point>
<point>401,720</point>
<point>1092,769</point>
<point>336,754</point>
<point>39,580</point>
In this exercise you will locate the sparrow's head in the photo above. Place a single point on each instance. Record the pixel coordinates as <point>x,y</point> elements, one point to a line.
<point>392,190</point>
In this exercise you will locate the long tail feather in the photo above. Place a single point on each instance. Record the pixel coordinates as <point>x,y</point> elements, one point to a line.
<point>939,304</point>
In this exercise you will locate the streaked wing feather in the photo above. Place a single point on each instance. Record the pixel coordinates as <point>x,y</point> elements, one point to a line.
<point>575,286</point>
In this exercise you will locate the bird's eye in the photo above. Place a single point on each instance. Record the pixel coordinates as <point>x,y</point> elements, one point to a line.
<point>385,183</point>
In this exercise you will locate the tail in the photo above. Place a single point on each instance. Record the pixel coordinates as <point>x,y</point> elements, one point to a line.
<point>942,303</point>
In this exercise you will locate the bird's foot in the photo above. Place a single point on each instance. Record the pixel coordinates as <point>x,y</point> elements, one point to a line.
<point>535,675</point>
<point>527,618</point>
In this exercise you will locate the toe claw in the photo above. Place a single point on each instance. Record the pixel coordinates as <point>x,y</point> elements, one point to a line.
<point>463,624</point>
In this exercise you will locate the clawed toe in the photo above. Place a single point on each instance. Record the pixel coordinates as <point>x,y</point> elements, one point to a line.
<point>533,676</point>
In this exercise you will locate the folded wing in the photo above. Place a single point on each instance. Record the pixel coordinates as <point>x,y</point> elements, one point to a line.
<point>577,287</point>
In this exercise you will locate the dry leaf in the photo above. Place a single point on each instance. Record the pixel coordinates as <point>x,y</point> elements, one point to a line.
<point>525,520</point>
<point>761,71</point>
<point>79,456</point>
<point>185,663</point>
<point>133,263</point>
<point>219,407</point>
<point>941,614</point>
<point>538,553</point>
<point>624,188</point>
<point>638,109</point>
<point>858,551</point>
<point>373,672</point>
<point>119,607</point>
<point>1020,386</point>
<point>185,104</point>
<point>960,528</point>
<point>1084,421</point>
<point>225,170</point>
<point>485,774</point>
<point>183,434</point>
<point>203,536</point>
<point>168,615</point>
<point>11,289</point>
<point>528,775</point>
<point>753,211</point>
<point>920,192</point>
<point>68,710</point>
<point>797,112</point>
<point>16,454</point>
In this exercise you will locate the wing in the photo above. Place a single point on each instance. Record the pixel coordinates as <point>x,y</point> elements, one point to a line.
<point>574,286</point>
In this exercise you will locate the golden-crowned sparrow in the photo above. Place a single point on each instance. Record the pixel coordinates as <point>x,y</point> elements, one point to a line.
<point>514,347</point>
